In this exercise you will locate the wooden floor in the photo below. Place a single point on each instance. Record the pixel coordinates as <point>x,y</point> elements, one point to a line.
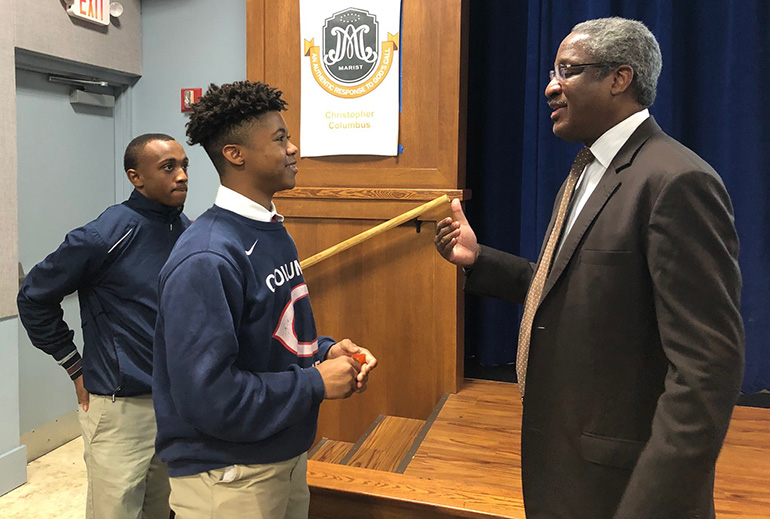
<point>475,439</point>
<point>742,487</point>
<point>468,465</point>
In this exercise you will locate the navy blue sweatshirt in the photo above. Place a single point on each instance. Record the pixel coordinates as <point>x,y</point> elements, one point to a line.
<point>113,263</point>
<point>234,380</point>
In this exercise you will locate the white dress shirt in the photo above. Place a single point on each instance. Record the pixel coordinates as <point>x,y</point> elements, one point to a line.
<point>244,206</point>
<point>604,150</point>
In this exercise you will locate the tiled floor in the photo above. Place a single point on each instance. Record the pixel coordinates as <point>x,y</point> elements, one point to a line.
<point>55,488</point>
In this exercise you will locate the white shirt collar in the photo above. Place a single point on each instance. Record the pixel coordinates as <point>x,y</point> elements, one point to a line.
<point>607,146</point>
<point>244,206</point>
<point>604,150</point>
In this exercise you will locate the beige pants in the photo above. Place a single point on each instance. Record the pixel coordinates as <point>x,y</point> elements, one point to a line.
<point>125,478</point>
<point>269,491</point>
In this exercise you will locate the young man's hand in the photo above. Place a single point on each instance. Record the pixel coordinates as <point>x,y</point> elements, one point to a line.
<point>82,392</point>
<point>365,361</point>
<point>339,376</point>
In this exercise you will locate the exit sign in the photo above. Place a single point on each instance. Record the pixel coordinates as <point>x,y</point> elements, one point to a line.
<point>96,11</point>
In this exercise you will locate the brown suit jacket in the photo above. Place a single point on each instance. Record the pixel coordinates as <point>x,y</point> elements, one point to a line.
<point>636,354</point>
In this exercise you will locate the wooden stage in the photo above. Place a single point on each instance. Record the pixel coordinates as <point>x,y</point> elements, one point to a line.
<point>467,464</point>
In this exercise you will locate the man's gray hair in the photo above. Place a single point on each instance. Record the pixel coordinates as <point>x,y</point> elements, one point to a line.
<point>625,42</point>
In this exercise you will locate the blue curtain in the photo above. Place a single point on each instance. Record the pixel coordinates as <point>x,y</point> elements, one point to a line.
<point>711,97</point>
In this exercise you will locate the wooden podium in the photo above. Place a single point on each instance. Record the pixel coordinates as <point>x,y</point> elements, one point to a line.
<point>392,294</point>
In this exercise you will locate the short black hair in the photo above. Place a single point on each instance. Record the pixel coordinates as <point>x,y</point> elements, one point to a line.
<point>224,113</point>
<point>135,147</point>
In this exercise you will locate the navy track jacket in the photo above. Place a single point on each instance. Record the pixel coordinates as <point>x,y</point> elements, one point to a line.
<point>113,263</point>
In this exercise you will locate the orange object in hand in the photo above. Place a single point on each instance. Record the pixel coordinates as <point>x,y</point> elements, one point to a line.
<point>360,357</point>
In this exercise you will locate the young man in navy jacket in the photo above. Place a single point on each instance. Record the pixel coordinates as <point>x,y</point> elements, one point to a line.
<point>239,369</point>
<point>113,263</point>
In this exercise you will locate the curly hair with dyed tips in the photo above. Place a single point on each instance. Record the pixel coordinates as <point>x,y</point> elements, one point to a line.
<point>224,114</point>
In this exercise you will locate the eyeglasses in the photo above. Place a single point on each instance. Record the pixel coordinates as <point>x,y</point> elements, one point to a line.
<point>567,70</point>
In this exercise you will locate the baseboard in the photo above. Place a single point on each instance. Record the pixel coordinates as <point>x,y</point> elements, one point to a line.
<point>50,436</point>
<point>13,469</point>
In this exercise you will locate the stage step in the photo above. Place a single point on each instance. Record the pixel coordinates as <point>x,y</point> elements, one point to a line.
<point>330,451</point>
<point>388,445</point>
<point>341,492</point>
<point>385,446</point>
<point>375,475</point>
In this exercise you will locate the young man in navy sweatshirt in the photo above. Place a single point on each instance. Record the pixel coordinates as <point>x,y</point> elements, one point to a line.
<point>239,370</point>
<point>113,263</point>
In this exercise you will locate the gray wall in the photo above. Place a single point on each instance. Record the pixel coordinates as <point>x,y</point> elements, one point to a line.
<point>44,27</point>
<point>13,469</point>
<point>8,268</point>
<point>175,44</point>
<point>76,166</point>
<point>41,27</point>
<point>187,44</point>
<point>13,457</point>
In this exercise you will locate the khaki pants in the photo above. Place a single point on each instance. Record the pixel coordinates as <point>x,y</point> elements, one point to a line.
<point>125,478</point>
<point>269,491</point>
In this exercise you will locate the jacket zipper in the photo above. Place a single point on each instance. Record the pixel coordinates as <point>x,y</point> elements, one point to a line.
<point>118,374</point>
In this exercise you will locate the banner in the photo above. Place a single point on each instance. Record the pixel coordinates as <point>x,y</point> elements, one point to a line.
<point>350,77</point>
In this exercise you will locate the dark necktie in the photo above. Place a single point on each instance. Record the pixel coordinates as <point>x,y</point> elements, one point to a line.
<point>583,158</point>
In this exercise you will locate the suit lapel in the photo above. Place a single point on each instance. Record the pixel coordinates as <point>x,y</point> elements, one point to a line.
<point>602,193</point>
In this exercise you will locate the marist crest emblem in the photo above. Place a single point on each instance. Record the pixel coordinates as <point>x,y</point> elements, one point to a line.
<point>351,61</point>
<point>350,40</point>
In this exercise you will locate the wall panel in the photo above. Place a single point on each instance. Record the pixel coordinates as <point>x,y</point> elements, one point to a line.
<point>392,294</point>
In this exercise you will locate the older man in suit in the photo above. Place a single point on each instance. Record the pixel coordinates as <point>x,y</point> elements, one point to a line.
<point>631,345</point>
